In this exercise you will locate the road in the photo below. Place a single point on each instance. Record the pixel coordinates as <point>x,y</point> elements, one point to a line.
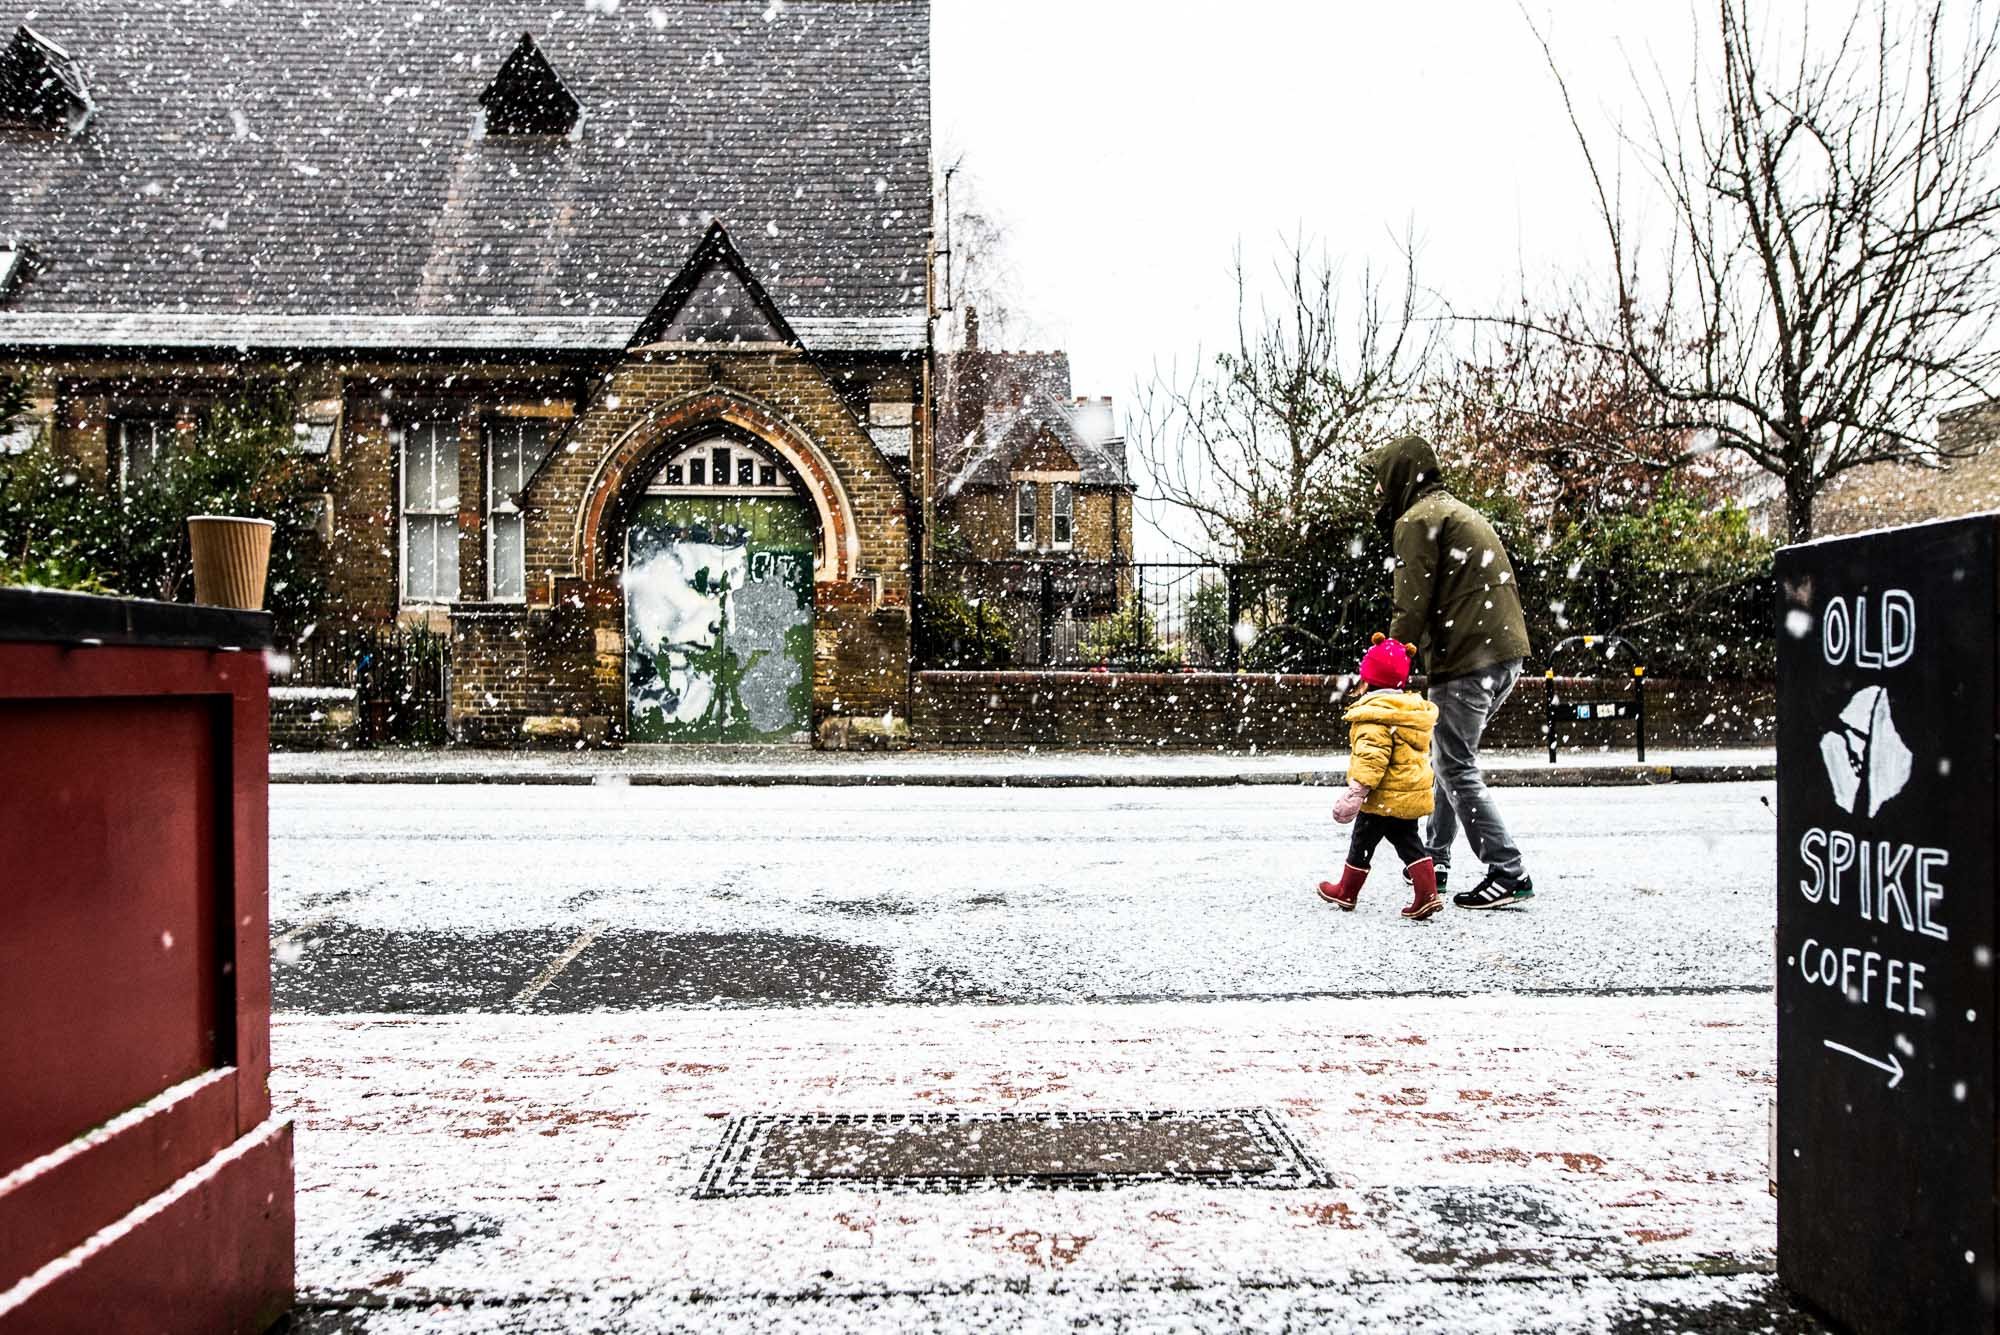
<point>478,898</point>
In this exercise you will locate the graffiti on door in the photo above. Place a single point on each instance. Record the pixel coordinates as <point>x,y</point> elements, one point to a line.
<point>718,609</point>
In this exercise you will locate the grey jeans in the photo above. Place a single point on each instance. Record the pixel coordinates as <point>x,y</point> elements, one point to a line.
<point>1465,706</point>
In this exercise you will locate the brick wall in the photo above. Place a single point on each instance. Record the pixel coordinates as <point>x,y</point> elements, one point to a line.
<point>306,718</point>
<point>629,426</point>
<point>861,659</point>
<point>983,519</point>
<point>563,655</point>
<point>361,574</point>
<point>1889,494</point>
<point>1104,523</point>
<point>82,432</point>
<point>521,676</point>
<point>861,635</point>
<point>1219,711</point>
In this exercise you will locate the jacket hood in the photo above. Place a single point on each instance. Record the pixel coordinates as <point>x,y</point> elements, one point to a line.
<point>1405,708</point>
<point>1406,469</point>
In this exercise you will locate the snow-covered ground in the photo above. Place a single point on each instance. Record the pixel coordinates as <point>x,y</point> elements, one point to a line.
<point>446,898</point>
<point>731,765</point>
<point>553,1158</point>
<point>520,1018</point>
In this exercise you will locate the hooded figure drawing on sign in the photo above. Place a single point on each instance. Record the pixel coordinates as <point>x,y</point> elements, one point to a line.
<point>1866,760</point>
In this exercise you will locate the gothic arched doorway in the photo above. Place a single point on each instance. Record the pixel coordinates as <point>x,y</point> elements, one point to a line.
<point>718,584</point>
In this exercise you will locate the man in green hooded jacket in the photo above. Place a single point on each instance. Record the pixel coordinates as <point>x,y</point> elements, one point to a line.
<point>1456,600</point>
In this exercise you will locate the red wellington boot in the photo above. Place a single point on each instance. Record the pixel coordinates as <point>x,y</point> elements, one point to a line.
<point>1424,883</point>
<point>1349,890</point>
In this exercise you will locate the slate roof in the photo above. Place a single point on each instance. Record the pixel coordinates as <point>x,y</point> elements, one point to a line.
<point>322,162</point>
<point>995,406</point>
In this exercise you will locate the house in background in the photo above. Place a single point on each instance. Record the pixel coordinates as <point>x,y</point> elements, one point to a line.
<point>1965,482</point>
<point>1024,468</point>
<point>609,323</point>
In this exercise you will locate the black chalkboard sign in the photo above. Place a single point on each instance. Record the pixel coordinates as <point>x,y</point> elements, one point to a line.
<point>1885,952</point>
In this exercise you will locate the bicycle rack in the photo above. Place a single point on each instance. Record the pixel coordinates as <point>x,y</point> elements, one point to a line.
<point>1561,709</point>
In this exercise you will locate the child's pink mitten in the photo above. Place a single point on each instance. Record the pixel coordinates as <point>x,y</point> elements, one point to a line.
<point>1348,805</point>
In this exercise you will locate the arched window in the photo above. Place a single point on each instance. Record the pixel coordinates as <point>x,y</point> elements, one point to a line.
<point>722,464</point>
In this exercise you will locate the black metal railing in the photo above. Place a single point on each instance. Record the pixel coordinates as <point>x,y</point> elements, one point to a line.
<point>1160,616</point>
<point>1226,616</point>
<point>399,676</point>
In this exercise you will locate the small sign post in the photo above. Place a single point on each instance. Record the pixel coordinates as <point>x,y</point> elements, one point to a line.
<point>1562,708</point>
<point>1887,1000</point>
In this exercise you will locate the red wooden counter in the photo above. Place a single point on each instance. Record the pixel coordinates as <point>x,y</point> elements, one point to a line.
<point>144,1185</point>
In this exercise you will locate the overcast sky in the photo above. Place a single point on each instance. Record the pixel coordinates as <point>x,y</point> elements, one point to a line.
<point>1129,146</point>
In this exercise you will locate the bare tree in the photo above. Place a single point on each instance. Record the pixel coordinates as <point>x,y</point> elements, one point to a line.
<point>1829,283</point>
<point>1251,441</point>
<point>1568,430</point>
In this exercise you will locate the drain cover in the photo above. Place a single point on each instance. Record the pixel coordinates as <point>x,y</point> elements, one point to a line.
<point>775,1154</point>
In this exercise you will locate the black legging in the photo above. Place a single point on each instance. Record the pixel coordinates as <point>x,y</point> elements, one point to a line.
<point>1371,829</point>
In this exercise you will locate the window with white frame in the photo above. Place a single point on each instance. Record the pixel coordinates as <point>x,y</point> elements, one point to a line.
<point>515,448</point>
<point>142,444</point>
<point>1062,514</point>
<point>1024,514</point>
<point>430,512</point>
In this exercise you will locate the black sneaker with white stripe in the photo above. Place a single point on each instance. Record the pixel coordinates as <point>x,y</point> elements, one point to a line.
<point>1492,894</point>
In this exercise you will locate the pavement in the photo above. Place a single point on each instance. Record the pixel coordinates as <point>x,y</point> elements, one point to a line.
<point>734,766</point>
<point>527,1030</point>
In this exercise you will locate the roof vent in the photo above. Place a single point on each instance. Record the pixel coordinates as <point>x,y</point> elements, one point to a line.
<point>41,85</point>
<point>527,96</point>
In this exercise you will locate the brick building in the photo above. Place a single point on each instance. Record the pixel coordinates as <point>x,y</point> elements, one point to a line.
<point>1024,468</point>
<point>610,321</point>
<point>1965,481</point>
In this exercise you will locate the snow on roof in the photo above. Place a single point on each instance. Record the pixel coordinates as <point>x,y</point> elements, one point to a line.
<point>299,159</point>
<point>993,407</point>
<point>535,333</point>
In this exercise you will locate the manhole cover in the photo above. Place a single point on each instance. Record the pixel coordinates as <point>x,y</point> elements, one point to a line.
<point>775,1154</point>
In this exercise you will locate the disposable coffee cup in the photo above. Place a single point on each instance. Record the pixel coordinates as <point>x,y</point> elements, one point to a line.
<point>232,557</point>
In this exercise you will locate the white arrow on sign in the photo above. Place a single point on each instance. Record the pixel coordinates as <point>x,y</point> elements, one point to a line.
<point>1892,1066</point>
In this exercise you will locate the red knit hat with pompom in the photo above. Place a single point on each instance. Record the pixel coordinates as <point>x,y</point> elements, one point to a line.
<point>1387,664</point>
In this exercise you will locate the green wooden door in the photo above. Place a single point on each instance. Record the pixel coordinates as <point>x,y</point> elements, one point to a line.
<point>718,619</point>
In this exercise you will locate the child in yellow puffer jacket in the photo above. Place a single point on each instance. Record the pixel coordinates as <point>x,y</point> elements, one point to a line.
<point>1388,780</point>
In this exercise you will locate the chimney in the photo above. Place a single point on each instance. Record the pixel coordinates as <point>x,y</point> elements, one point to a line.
<point>1094,419</point>
<point>972,329</point>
